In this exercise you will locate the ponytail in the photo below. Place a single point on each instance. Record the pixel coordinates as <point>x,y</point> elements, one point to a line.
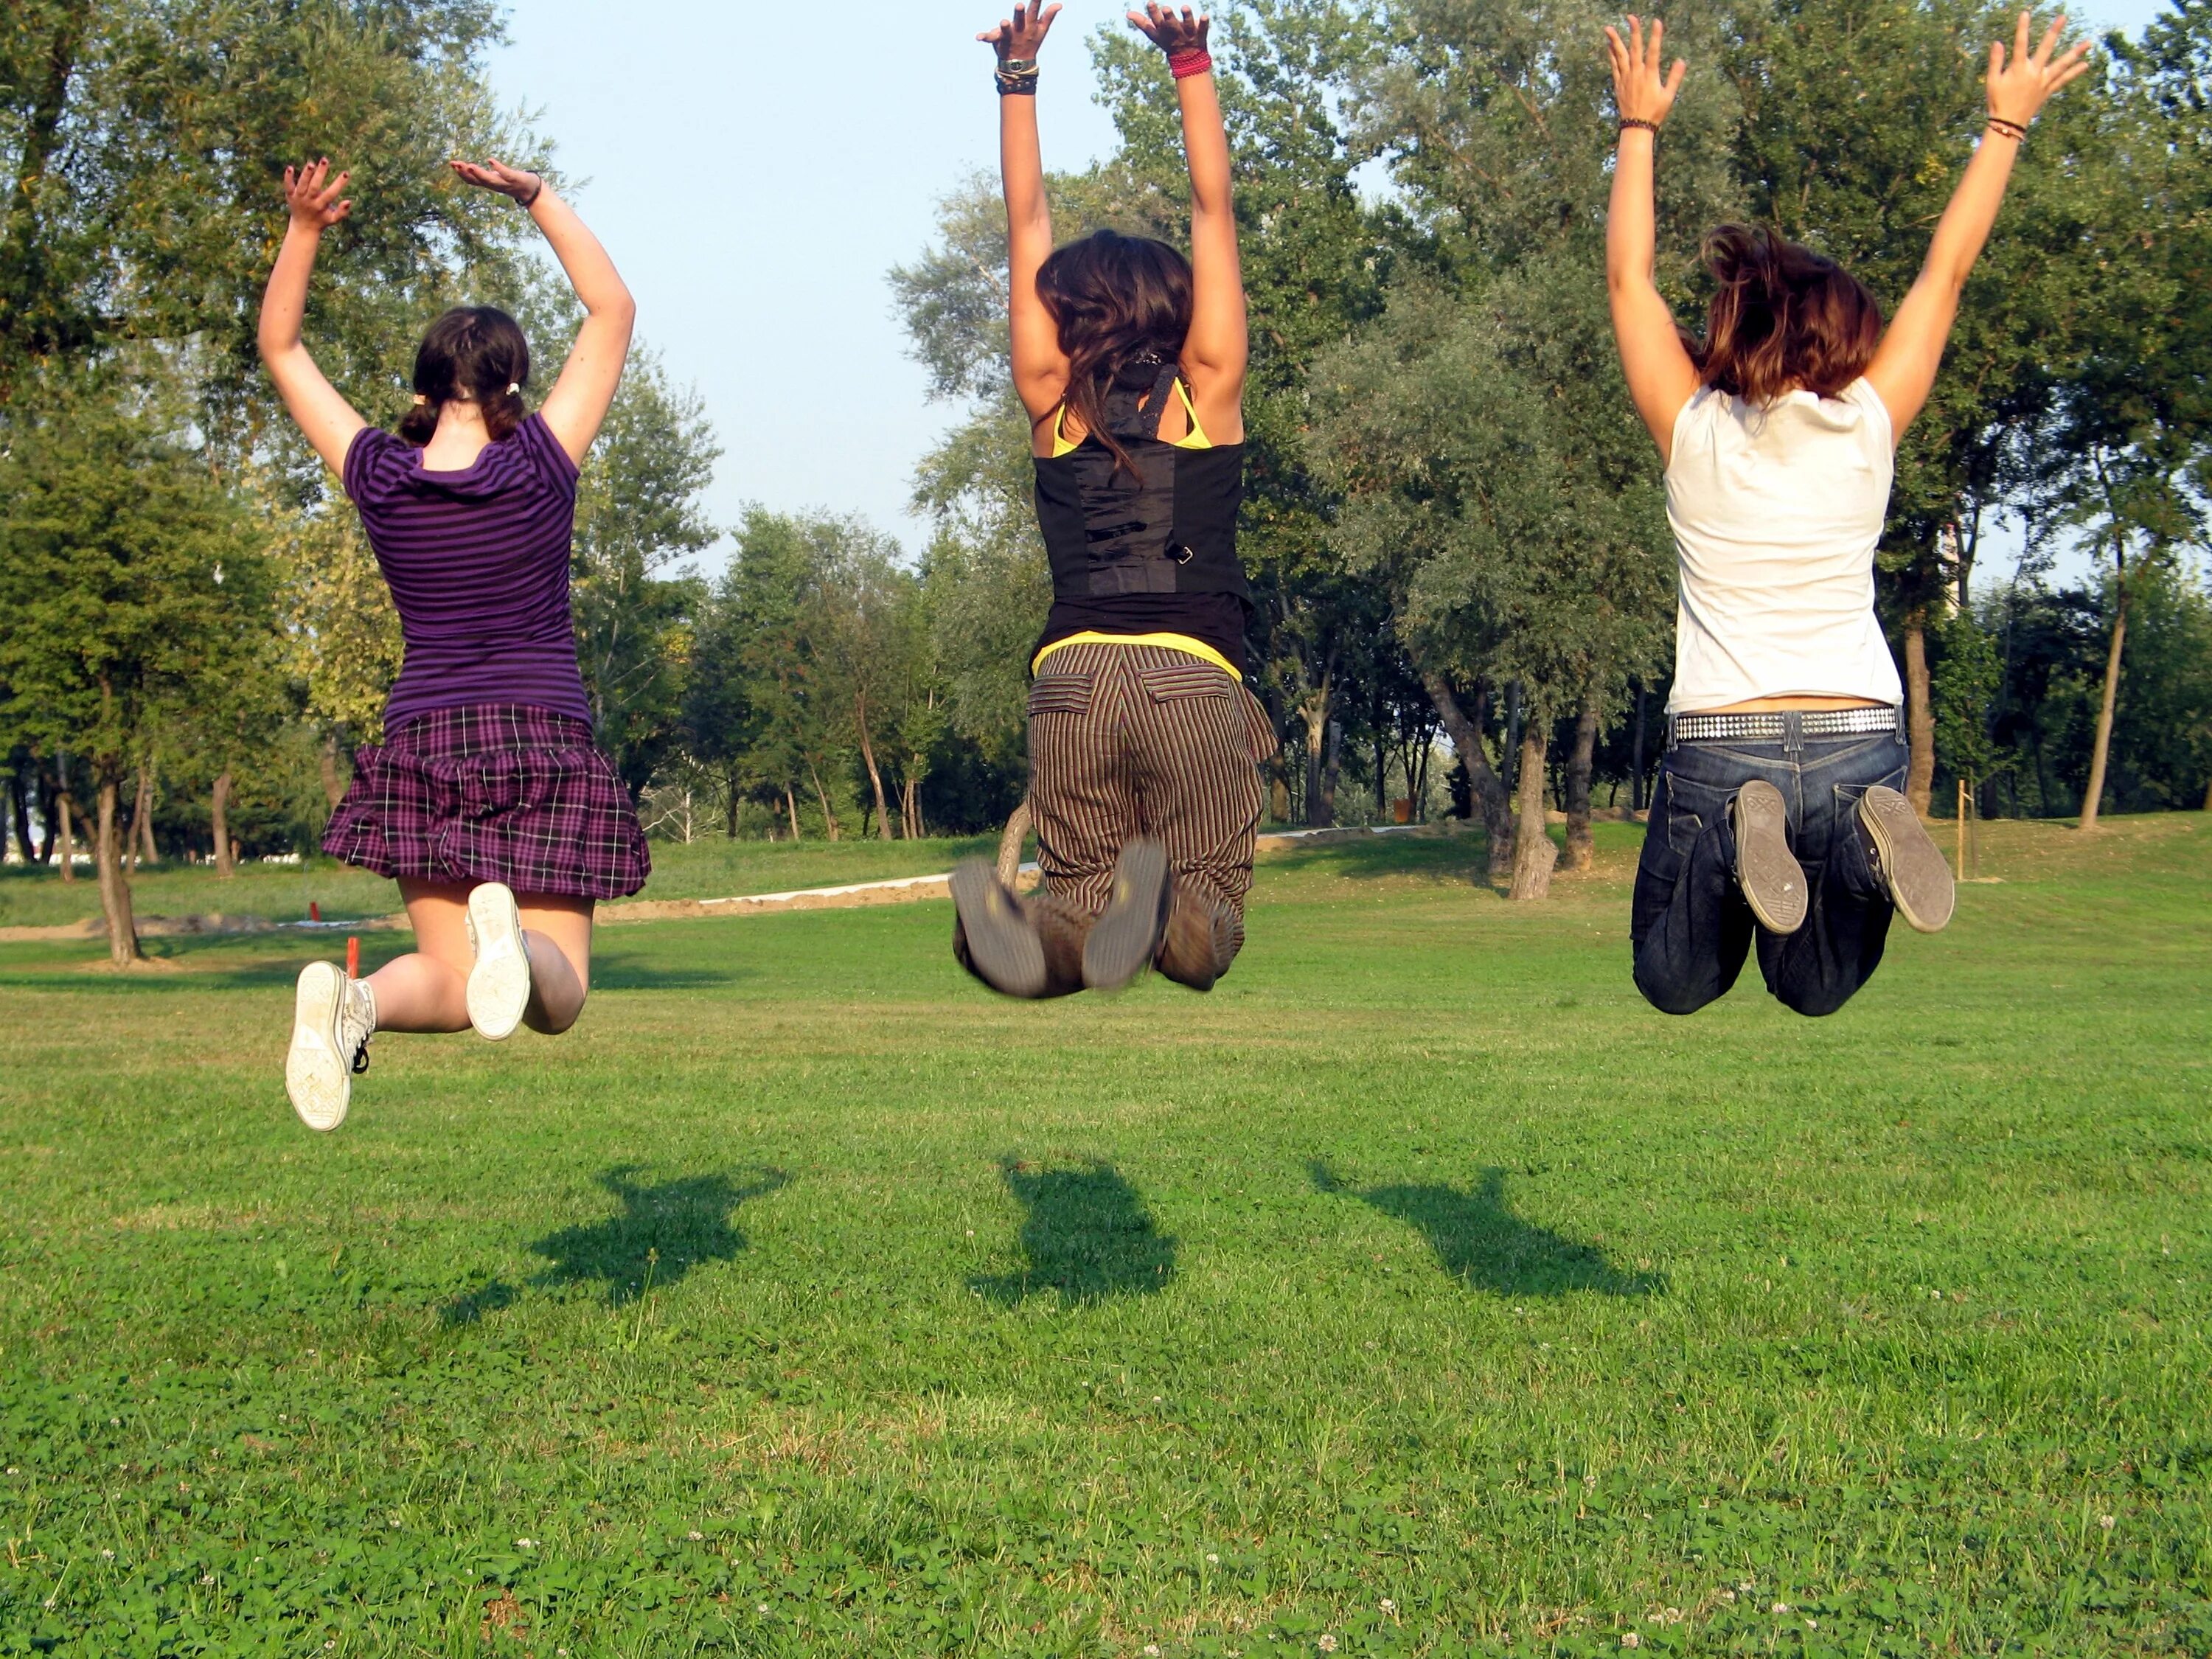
<point>474,353</point>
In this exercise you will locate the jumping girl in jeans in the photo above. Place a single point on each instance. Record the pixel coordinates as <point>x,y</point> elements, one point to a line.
<point>1144,743</point>
<point>1777,809</point>
<point>486,799</point>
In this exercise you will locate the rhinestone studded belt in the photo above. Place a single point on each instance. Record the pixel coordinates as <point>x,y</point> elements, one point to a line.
<point>1775,727</point>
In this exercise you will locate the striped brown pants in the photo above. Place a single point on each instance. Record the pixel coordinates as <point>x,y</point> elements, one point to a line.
<point>1128,741</point>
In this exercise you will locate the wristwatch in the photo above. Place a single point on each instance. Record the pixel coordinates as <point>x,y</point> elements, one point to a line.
<point>1019,66</point>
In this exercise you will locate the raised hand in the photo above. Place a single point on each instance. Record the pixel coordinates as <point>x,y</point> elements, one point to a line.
<point>2020,89</point>
<point>314,197</point>
<point>500,178</point>
<point>1020,38</point>
<point>1638,88</point>
<point>1170,33</point>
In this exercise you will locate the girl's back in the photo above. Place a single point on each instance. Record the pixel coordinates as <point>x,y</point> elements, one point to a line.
<point>1776,510</point>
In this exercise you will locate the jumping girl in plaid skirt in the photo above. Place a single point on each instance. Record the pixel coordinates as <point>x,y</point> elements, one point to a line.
<point>487,799</point>
<point>1144,742</point>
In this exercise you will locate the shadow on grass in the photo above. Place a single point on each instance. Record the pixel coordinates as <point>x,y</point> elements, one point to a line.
<point>1087,1235</point>
<point>1483,1244</point>
<point>630,970</point>
<point>663,1232</point>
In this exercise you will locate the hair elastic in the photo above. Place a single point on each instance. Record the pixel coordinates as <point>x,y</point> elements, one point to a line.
<point>1184,64</point>
<point>513,387</point>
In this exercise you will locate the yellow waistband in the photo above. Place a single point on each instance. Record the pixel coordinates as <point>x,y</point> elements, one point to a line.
<point>1182,642</point>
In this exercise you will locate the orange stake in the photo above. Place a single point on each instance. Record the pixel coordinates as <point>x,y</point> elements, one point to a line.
<point>353,958</point>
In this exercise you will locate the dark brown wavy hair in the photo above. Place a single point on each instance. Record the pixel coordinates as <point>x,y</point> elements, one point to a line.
<point>1122,307</point>
<point>1782,318</point>
<point>476,352</point>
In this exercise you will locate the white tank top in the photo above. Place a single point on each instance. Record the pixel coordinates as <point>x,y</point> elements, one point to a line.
<point>1776,512</point>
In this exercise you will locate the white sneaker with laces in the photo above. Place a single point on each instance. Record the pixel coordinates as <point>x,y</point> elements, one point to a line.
<point>499,984</point>
<point>333,1020</point>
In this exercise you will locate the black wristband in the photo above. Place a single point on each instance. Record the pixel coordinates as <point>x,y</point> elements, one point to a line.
<point>1017,86</point>
<point>531,200</point>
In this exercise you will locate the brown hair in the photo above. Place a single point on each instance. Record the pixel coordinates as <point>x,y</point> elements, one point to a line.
<point>476,352</point>
<point>1122,307</point>
<point>1783,317</point>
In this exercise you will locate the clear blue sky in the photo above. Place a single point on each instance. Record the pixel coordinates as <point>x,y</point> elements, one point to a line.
<point>756,168</point>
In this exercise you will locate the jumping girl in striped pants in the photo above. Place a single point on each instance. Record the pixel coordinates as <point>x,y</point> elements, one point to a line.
<point>486,799</point>
<point>1144,742</point>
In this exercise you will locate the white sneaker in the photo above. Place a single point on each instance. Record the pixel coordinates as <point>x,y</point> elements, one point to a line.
<point>332,1023</point>
<point>499,984</point>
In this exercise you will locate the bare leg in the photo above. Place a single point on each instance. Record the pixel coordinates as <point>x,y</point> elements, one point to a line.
<point>427,990</point>
<point>559,933</point>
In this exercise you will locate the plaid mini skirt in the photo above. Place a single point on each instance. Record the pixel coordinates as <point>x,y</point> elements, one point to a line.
<point>492,791</point>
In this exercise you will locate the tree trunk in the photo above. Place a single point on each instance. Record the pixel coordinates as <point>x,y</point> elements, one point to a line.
<point>49,814</point>
<point>1534,854</point>
<point>875,778</point>
<point>1513,723</point>
<point>1321,793</point>
<point>141,837</point>
<point>19,814</point>
<point>1919,717</point>
<point>1010,843</point>
<point>910,816</point>
<point>2101,752</point>
<point>1636,754</point>
<point>829,817</point>
<point>791,806</point>
<point>1482,781</point>
<point>2208,794</point>
<point>1581,850</point>
<point>114,886</point>
<point>333,787</point>
<point>61,807</point>
<point>1332,770</point>
<point>731,802</point>
<point>226,866</point>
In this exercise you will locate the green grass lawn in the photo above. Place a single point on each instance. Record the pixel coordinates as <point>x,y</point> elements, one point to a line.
<point>1418,1292</point>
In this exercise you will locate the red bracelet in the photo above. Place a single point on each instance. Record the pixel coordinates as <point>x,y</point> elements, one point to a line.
<point>1184,64</point>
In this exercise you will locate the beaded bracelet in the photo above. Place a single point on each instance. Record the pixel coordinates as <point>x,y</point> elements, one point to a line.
<point>1184,64</point>
<point>2012,130</point>
<point>1628,121</point>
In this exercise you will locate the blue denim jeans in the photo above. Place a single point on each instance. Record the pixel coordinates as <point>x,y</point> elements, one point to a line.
<point>1690,928</point>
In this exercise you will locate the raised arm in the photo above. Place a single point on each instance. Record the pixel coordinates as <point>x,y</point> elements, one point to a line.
<point>1903,368</point>
<point>327,420</point>
<point>580,397</point>
<point>1040,365</point>
<point>1220,345</point>
<point>1661,376</point>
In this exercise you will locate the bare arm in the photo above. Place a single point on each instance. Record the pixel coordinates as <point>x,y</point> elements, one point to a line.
<point>1040,365</point>
<point>1219,344</point>
<point>1903,372</point>
<point>588,382</point>
<point>1662,378</point>
<point>326,419</point>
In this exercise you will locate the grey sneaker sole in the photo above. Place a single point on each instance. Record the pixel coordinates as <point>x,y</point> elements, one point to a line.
<point>499,983</point>
<point>1772,880</point>
<point>317,1077</point>
<point>1122,943</point>
<point>1002,946</point>
<point>1909,863</point>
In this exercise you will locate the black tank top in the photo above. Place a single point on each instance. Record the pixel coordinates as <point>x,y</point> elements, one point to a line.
<point>1151,552</point>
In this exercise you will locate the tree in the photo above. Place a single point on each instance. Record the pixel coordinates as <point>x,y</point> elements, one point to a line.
<point>638,511</point>
<point>111,537</point>
<point>2127,453</point>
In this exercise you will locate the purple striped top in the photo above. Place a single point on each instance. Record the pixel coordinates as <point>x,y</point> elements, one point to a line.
<point>477,562</point>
